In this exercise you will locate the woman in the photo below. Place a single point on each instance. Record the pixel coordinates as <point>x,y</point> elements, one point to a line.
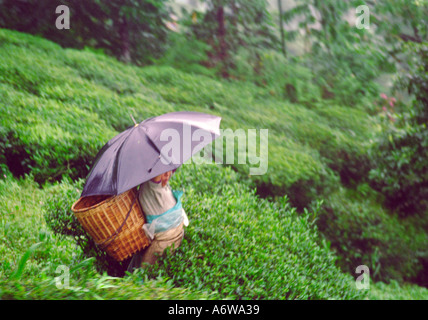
<point>165,219</point>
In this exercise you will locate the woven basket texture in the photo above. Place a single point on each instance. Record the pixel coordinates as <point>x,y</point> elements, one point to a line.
<point>102,216</point>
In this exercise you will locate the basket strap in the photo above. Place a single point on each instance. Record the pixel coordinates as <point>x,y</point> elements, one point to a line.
<point>103,244</point>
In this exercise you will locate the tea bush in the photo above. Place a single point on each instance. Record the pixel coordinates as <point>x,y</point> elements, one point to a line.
<point>47,137</point>
<point>312,141</point>
<point>286,78</point>
<point>395,291</point>
<point>401,172</point>
<point>60,106</point>
<point>362,232</point>
<point>33,256</point>
<point>245,247</point>
<point>62,221</point>
<point>93,96</point>
<point>187,53</point>
<point>237,245</point>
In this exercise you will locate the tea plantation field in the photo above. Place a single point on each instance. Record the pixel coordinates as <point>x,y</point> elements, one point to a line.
<point>249,237</point>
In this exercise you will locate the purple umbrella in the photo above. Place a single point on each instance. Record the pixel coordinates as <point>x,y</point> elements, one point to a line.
<point>148,149</point>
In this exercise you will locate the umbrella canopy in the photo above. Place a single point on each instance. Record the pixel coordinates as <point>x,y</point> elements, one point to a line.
<point>148,149</point>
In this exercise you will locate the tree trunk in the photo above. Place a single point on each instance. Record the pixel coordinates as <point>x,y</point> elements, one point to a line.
<point>125,53</point>
<point>281,28</point>
<point>221,35</point>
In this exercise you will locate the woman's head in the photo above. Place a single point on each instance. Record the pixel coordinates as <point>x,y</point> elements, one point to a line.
<point>164,177</point>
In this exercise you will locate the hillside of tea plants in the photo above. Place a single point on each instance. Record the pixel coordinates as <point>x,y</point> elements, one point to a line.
<point>296,232</point>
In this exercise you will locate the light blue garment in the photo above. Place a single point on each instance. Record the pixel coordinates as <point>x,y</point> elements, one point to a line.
<point>171,218</point>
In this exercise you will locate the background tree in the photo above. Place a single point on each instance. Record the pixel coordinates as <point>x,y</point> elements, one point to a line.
<point>131,30</point>
<point>228,25</point>
<point>345,60</point>
<point>400,154</point>
<point>281,27</point>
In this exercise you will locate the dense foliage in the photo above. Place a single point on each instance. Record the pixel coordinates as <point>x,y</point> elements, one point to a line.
<point>132,30</point>
<point>34,258</point>
<point>401,153</point>
<point>332,137</point>
<point>100,82</point>
<point>230,25</point>
<point>103,93</point>
<point>363,232</point>
<point>237,245</point>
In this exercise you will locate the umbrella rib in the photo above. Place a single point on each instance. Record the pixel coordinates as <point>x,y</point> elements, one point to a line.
<point>117,160</point>
<point>157,149</point>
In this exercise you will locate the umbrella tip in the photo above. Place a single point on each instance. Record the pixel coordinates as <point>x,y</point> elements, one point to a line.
<point>135,123</point>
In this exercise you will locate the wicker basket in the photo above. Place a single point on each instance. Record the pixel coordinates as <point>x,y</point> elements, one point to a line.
<point>114,222</point>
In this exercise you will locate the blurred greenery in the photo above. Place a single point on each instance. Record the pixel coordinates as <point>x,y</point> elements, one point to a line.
<point>225,249</point>
<point>401,152</point>
<point>131,30</point>
<point>32,253</point>
<point>393,291</point>
<point>362,232</point>
<point>347,178</point>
